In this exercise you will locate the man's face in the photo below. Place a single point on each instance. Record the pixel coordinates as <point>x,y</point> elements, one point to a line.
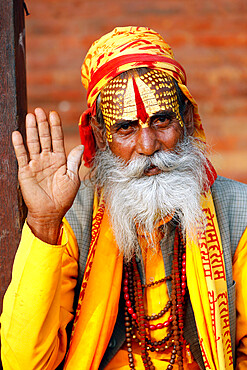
<point>142,117</point>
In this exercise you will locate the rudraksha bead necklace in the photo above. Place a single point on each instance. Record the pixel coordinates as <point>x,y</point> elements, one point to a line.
<point>137,322</point>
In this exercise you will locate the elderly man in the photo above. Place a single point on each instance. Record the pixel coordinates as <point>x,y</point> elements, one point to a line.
<point>152,245</point>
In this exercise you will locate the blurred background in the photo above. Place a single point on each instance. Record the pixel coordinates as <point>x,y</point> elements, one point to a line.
<point>209,39</point>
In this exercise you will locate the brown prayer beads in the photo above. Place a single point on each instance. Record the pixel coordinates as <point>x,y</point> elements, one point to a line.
<point>156,282</point>
<point>136,320</point>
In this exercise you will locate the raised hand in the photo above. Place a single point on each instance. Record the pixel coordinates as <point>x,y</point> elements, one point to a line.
<point>49,182</point>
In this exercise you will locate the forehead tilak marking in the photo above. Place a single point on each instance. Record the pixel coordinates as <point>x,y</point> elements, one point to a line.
<point>165,91</point>
<point>148,101</point>
<point>111,98</point>
<point>118,100</point>
<point>142,114</point>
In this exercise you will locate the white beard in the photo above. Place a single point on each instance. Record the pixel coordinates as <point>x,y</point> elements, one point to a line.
<point>134,198</point>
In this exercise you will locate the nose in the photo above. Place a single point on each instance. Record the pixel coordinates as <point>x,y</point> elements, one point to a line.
<point>147,143</point>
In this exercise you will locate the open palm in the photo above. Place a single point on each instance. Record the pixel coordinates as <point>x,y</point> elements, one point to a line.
<point>49,181</point>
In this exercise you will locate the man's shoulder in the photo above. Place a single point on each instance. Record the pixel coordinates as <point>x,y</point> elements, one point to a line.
<point>83,203</point>
<point>230,200</point>
<point>229,190</point>
<point>230,196</point>
<point>79,215</point>
<point>225,182</point>
<point>85,192</point>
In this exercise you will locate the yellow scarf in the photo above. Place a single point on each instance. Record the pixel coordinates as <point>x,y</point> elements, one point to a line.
<point>206,279</point>
<point>98,302</point>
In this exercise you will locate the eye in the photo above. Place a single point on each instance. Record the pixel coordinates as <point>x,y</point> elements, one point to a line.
<point>162,121</point>
<point>124,126</point>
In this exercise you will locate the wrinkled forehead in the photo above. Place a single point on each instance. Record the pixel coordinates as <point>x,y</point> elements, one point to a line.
<point>133,97</point>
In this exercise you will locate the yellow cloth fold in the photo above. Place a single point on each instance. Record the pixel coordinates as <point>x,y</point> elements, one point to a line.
<point>98,313</point>
<point>38,304</point>
<point>240,276</point>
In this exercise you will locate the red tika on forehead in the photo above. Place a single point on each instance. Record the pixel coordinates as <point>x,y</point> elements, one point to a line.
<point>140,107</point>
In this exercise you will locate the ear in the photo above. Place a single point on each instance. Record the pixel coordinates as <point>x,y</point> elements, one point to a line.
<point>189,117</point>
<point>99,134</point>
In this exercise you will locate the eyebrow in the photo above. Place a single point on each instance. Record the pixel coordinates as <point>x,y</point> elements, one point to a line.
<point>121,122</point>
<point>164,114</point>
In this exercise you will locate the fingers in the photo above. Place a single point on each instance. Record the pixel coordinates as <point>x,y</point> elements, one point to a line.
<point>74,159</point>
<point>33,142</point>
<point>56,133</point>
<point>44,130</point>
<point>43,134</point>
<point>19,148</point>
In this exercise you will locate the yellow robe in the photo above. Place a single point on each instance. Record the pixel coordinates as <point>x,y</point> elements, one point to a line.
<point>33,321</point>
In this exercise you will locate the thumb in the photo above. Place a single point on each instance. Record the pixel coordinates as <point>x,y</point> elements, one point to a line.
<point>74,159</point>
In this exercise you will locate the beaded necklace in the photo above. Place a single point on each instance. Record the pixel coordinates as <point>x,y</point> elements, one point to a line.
<point>136,321</point>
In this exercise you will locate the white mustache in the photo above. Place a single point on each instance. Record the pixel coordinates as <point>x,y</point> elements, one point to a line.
<point>165,161</point>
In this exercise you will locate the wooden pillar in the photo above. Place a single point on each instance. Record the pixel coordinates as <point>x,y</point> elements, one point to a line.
<point>12,116</point>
